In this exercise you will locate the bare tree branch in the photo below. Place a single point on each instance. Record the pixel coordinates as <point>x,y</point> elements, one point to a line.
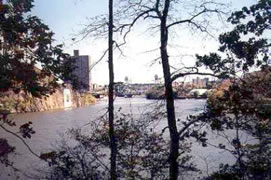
<point>194,71</point>
<point>99,60</point>
<point>23,141</point>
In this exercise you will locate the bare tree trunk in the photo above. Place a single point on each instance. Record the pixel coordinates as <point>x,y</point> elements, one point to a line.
<point>113,145</point>
<point>174,137</point>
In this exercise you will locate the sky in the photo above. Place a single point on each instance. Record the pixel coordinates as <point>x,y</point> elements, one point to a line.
<point>67,17</point>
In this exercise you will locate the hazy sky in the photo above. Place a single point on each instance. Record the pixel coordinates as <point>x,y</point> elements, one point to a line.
<point>68,17</point>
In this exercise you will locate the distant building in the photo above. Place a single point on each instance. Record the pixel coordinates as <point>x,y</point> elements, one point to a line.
<point>200,83</point>
<point>82,70</point>
<point>136,89</point>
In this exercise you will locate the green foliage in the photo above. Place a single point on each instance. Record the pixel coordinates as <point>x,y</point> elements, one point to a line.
<point>25,44</point>
<point>259,15</point>
<point>243,104</point>
<point>246,45</point>
<point>240,109</point>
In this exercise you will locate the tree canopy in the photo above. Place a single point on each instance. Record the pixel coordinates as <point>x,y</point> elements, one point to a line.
<point>242,103</point>
<point>246,46</point>
<point>29,60</point>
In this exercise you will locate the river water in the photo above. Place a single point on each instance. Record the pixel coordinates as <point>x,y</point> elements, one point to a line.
<point>51,126</point>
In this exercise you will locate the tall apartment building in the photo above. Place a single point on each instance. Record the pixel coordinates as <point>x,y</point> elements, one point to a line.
<point>82,70</point>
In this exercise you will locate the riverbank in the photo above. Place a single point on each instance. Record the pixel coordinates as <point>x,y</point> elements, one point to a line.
<point>60,99</point>
<point>158,93</point>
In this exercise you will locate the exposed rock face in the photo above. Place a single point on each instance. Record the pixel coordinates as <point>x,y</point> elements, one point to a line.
<point>22,102</point>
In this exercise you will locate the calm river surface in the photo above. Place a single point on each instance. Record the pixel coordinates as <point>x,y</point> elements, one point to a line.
<point>50,126</point>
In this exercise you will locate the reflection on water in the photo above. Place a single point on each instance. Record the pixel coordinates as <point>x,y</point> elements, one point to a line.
<point>50,125</point>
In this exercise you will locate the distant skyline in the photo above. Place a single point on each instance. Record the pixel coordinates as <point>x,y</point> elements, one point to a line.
<point>67,17</point>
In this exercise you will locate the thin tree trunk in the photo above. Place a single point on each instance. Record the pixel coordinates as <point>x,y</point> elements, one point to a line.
<point>113,145</point>
<point>174,137</point>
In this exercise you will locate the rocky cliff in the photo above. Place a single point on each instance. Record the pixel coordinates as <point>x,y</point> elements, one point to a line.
<point>23,102</point>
